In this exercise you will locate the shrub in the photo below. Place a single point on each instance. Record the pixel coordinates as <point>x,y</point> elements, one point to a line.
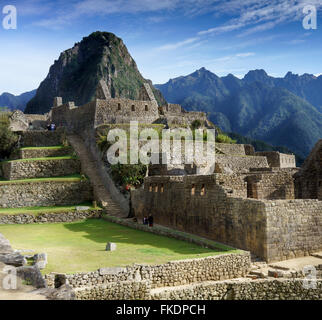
<point>222,138</point>
<point>8,139</point>
<point>128,174</point>
<point>196,124</point>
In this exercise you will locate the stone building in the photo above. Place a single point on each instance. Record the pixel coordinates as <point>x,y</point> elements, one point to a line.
<point>119,110</point>
<point>251,201</point>
<point>276,159</point>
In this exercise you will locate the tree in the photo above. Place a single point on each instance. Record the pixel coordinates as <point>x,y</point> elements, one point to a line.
<point>8,139</point>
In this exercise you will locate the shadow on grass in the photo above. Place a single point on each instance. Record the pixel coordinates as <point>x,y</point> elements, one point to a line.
<point>102,231</point>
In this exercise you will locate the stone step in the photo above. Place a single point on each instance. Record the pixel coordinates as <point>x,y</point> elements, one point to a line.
<point>90,168</point>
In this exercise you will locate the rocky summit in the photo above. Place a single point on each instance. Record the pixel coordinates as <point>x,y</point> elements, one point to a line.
<point>99,66</point>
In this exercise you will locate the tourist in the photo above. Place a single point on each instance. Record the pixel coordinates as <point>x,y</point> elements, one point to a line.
<point>52,127</point>
<point>150,220</point>
<point>48,126</point>
<point>145,220</point>
<point>31,127</point>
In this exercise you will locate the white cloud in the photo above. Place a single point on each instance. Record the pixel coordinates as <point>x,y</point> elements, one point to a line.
<point>174,46</point>
<point>256,16</point>
<point>244,55</point>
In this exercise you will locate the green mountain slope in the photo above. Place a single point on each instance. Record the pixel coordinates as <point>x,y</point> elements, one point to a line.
<point>256,107</point>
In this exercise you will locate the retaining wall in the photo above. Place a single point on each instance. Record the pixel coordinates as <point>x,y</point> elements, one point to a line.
<point>50,193</point>
<point>226,266</point>
<point>14,170</point>
<point>42,138</point>
<point>71,216</point>
<point>281,289</point>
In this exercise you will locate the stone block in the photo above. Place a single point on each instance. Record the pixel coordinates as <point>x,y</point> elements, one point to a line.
<point>111,246</point>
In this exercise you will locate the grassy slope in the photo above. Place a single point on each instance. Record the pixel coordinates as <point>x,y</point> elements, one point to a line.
<point>38,210</point>
<point>44,148</point>
<point>80,246</point>
<point>71,178</point>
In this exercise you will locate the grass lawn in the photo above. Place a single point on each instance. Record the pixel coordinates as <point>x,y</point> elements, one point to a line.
<point>70,178</point>
<point>38,210</point>
<point>80,246</point>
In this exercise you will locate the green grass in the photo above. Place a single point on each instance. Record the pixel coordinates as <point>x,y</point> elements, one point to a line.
<point>44,148</point>
<point>43,159</point>
<point>80,246</point>
<point>38,210</point>
<point>70,178</point>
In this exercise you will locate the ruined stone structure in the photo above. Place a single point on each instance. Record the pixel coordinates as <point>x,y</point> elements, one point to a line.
<point>119,110</point>
<point>251,201</point>
<point>308,180</point>
<point>278,160</point>
<point>257,201</point>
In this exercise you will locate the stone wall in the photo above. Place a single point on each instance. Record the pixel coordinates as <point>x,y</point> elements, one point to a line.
<point>205,206</point>
<point>215,207</point>
<point>181,272</point>
<point>308,181</point>
<point>279,289</point>
<point>49,217</point>
<point>20,121</point>
<point>45,193</point>
<point>123,290</point>
<point>17,169</point>
<point>240,163</point>
<point>277,159</point>
<point>125,110</point>
<point>74,118</point>
<point>276,185</point>
<point>43,153</point>
<point>42,138</point>
<point>231,149</point>
<point>294,228</point>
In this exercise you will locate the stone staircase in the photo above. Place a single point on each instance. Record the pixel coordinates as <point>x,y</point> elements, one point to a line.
<point>90,167</point>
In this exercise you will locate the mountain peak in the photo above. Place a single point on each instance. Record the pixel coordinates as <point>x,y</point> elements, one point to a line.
<point>290,75</point>
<point>77,74</point>
<point>258,75</point>
<point>203,72</point>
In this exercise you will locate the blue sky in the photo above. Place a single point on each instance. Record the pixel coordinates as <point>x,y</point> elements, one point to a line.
<point>167,38</point>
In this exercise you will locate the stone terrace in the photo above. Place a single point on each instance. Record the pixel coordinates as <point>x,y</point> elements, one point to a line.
<point>51,177</point>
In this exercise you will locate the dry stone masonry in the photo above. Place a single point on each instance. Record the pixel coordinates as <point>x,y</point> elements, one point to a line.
<point>44,193</point>
<point>40,168</point>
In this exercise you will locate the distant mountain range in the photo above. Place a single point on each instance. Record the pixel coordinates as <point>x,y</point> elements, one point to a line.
<point>280,111</point>
<point>12,102</point>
